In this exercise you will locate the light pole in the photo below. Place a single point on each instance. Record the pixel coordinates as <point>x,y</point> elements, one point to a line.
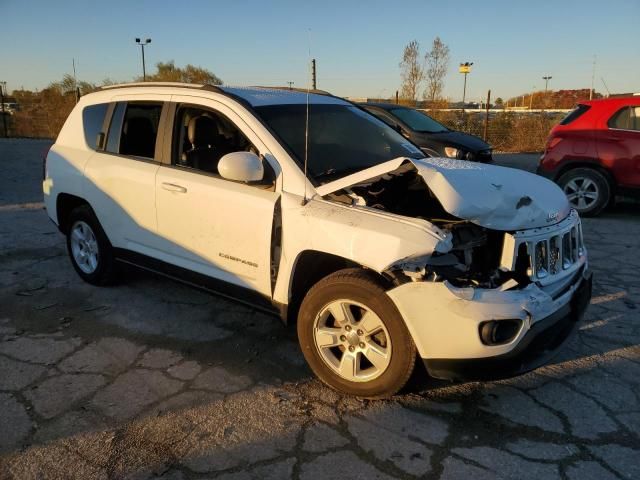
<point>142,45</point>
<point>546,85</point>
<point>465,68</point>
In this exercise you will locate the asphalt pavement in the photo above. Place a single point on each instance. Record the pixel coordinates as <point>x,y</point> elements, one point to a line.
<point>153,379</point>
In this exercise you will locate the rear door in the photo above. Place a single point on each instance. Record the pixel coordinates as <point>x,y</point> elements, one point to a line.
<point>121,174</point>
<point>619,145</point>
<point>210,225</point>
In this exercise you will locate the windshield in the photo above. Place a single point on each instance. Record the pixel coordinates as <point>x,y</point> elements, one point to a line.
<point>418,121</point>
<point>342,138</point>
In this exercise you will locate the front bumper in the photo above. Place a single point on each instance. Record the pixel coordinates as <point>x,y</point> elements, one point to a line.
<point>541,343</point>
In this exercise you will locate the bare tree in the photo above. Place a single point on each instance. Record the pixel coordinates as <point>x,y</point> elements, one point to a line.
<point>437,63</point>
<point>411,71</point>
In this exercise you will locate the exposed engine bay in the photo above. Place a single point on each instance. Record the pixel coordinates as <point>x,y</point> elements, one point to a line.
<point>473,261</point>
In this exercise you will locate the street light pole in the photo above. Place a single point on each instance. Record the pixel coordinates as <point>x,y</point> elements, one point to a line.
<point>465,68</point>
<point>142,45</point>
<point>546,82</point>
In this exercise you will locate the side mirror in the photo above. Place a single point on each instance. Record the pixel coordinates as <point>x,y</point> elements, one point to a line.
<point>241,167</point>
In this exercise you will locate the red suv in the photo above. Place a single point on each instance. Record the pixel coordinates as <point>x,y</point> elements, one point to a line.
<point>594,153</point>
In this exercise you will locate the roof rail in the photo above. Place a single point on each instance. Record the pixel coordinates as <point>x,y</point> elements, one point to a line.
<point>295,89</point>
<point>196,86</point>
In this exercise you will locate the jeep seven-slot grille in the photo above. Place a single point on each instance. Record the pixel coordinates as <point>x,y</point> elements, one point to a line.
<point>557,253</point>
<point>552,251</point>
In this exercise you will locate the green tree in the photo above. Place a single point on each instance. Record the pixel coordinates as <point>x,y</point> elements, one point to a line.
<point>168,72</point>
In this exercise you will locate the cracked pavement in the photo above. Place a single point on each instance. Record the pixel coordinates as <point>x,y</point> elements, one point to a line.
<point>153,379</point>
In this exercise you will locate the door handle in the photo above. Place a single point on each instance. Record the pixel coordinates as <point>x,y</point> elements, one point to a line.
<point>172,187</point>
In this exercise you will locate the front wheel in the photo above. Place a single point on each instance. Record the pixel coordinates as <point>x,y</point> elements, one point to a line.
<point>587,190</point>
<point>353,337</point>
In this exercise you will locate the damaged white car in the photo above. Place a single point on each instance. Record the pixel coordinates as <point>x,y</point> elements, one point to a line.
<point>305,205</point>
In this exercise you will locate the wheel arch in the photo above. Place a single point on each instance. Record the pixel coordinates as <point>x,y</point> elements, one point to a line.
<point>587,163</point>
<point>311,266</point>
<point>65,204</point>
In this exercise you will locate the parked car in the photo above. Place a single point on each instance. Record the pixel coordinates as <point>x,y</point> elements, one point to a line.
<point>380,255</point>
<point>594,153</point>
<point>433,138</point>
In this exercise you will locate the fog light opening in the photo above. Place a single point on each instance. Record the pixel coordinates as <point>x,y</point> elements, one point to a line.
<point>499,332</point>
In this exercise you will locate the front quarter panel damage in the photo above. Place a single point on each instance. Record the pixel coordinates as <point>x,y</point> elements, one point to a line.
<point>444,320</point>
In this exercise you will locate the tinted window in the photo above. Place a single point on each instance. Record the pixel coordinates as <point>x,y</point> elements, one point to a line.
<point>627,118</point>
<point>575,114</point>
<point>635,118</point>
<point>134,129</point>
<point>203,137</point>
<point>342,138</point>
<point>380,115</point>
<point>92,120</point>
<point>418,121</point>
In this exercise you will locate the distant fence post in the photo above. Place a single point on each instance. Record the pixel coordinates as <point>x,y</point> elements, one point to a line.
<point>486,116</point>
<point>4,115</point>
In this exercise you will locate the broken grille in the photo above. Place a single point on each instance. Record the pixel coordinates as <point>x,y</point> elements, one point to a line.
<point>556,253</point>
<point>546,253</point>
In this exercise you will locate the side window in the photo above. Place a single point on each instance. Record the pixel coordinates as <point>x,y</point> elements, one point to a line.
<point>202,137</point>
<point>92,120</point>
<point>635,118</point>
<point>384,117</point>
<point>621,119</point>
<point>134,129</point>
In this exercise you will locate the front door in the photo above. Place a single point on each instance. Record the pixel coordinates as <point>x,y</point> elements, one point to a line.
<point>210,225</point>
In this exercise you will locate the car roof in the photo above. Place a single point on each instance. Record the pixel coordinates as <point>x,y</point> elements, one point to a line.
<point>612,101</point>
<point>255,96</point>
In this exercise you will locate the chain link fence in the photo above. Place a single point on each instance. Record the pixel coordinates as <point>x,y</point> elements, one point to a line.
<point>37,116</point>
<point>506,131</point>
<point>42,116</point>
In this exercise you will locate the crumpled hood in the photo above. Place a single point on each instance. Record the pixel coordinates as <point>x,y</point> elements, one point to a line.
<point>491,196</point>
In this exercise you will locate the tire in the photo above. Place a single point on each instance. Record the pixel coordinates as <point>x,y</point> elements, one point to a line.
<point>86,235</point>
<point>370,334</point>
<point>587,189</point>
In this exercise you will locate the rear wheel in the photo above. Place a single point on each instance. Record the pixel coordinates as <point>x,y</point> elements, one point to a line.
<point>89,248</point>
<point>353,336</point>
<point>587,190</point>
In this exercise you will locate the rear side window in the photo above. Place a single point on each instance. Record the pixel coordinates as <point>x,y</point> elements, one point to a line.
<point>92,120</point>
<point>627,118</point>
<point>575,114</point>
<point>134,129</point>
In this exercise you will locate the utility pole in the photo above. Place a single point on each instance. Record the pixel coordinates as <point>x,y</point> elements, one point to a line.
<point>593,76</point>
<point>142,45</point>
<point>290,85</point>
<point>76,92</point>
<point>3,87</point>
<point>313,74</point>
<point>486,116</point>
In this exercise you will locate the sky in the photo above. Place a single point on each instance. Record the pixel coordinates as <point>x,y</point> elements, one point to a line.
<point>357,45</point>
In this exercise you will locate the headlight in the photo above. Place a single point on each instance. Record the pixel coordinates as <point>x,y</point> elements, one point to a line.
<point>451,152</point>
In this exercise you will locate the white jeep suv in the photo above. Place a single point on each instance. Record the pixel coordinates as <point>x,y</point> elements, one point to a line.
<point>307,206</point>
